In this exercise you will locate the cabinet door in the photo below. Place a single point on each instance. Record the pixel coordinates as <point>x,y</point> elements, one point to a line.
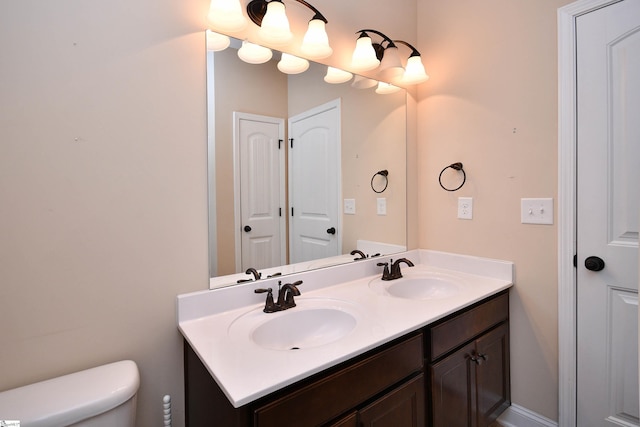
<point>492,374</point>
<point>402,407</point>
<point>350,420</point>
<point>451,389</point>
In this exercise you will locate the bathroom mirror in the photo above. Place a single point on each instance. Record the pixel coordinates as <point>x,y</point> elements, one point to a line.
<point>258,106</point>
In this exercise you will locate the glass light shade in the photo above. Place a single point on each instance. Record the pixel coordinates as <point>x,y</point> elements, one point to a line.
<point>360,82</point>
<point>415,72</point>
<point>290,64</point>
<point>364,56</point>
<point>216,42</point>
<point>315,43</point>
<point>253,53</point>
<point>391,65</point>
<point>337,76</point>
<point>275,25</point>
<point>386,88</point>
<point>226,15</point>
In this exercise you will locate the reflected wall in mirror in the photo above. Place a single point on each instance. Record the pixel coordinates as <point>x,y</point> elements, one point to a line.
<point>251,107</point>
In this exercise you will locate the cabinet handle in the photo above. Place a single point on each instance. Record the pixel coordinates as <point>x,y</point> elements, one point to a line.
<point>479,358</point>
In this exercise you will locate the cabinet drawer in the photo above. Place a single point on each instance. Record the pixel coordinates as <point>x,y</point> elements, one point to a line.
<point>456,331</point>
<point>345,389</point>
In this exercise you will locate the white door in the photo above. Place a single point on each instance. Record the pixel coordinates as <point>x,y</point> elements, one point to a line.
<point>314,183</point>
<point>608,165</point>
<point>260,213</point>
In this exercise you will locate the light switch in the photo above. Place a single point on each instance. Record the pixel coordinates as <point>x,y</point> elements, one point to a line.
<point>382,205</point>
<point>536,211</point>
<point>349,206</point>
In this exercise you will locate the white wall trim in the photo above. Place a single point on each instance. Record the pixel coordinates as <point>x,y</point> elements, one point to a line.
<point>517,416</point>
<point>567,144</point>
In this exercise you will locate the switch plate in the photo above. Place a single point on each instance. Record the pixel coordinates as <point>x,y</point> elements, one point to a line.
<point>465,207</point>
<point>536,211</point>
<point>382,205</point>
<point>349,206</point>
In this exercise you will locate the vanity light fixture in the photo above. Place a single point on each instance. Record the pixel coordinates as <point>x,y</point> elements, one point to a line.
<point>226,15</point>
<point>254,54</point>
<point>337,76</point>
<point>290,64</point>
<point>368,55</point>
<point>274,27</point>
<point>217,41</point>
<point>415,72</point>
<point>364,56</point>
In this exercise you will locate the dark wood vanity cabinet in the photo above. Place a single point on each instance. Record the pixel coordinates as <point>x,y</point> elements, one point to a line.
<point>469,367</point>
<point>378,388</point>
<point>452,374</point>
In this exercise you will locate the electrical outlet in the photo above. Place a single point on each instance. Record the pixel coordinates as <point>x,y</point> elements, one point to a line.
<point>536,211</point>
<point>382,205</point>
<point>465,207</point>
<point>349,206</point>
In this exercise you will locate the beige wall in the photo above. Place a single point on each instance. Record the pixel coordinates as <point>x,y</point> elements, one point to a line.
<point>491,103</point>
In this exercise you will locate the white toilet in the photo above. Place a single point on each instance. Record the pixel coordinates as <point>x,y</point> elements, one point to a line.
<point>99,397</point>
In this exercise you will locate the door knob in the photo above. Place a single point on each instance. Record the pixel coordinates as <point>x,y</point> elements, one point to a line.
<point>594,263</point>
<point>247,228</point>
<point>331,230</point>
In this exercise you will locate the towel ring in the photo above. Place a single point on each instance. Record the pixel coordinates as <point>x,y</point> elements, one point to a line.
<point>455,166</point>
<point>385,174</point>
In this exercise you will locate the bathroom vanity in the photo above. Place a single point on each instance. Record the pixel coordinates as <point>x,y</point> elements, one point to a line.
<point>407,359</point>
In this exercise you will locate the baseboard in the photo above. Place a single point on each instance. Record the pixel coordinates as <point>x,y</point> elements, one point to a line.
<point>517,416</point>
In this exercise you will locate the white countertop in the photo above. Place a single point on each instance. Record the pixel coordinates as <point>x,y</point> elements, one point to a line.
<point>246,371</point>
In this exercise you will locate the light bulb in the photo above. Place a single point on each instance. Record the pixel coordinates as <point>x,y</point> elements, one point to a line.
<point>315,43</point>
<point>360,82</point>
<point>290,64</point>
<point>415,72</point>
<point>226,15</point>
<point>275,25</point>
<point>391,66</point>
<point>253,53</point>
<point>364,55</point>
<point>337,76</point>
<point>386,88</point>
<point>217,42</point>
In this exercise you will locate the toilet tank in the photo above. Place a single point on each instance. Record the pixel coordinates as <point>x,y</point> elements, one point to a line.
<point>101,396</point>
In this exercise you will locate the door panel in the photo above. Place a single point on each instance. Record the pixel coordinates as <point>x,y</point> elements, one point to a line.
<point>261,190</point>
<point>314,183</point>
<point>608,91</point>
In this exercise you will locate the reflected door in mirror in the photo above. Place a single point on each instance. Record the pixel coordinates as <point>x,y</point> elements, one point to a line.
<point>314,171</point>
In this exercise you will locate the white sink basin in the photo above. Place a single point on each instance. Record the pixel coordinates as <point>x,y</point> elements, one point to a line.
<point>419,286</point>
<point>312,323</point>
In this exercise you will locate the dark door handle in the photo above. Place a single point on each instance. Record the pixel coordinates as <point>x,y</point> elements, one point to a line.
<point>331,230</point>
<point>594,263</point>
<point>247,228</point>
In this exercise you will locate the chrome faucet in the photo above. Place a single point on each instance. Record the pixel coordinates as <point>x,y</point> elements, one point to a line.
<point>356,251</point>
<point>394,272</point>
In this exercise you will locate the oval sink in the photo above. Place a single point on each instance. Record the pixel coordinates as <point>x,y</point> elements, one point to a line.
<point>312,323</point>
<point>419,286</point>
<point>303,329</point>
<point>422,288</point>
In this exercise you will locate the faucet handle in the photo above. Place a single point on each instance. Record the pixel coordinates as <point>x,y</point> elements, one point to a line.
<point>269,305</point>
<point>386,275</point>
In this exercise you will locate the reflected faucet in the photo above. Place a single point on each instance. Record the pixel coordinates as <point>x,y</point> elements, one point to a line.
<point>256,275</point>
<point>356,251</point>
